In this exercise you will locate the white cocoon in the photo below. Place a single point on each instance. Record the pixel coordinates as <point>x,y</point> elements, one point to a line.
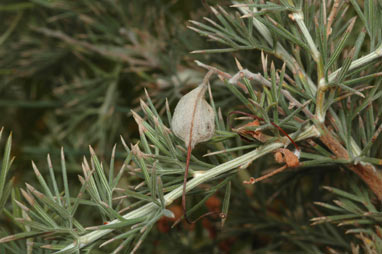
<point>193,113</point>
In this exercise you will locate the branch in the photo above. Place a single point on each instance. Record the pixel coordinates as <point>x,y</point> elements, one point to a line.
<point>257,78</point>
<point>364,170</point>
<point>149,208</point>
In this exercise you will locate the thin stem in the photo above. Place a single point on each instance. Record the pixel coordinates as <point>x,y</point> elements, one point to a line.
<point>261,178</point>
<point>185,182</point>
<point>191,143</point>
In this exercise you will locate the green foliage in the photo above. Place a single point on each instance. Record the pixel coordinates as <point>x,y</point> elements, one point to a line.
<point>69,68</point>
<point>76,70</point>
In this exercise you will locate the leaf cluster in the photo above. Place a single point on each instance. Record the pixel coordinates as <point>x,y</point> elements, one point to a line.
<point>319,89</point>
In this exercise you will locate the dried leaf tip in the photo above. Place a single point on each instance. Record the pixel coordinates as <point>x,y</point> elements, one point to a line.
<point>136,151</point>
<point>35,169</point>
<point>238,64</point>
<point>139,121</point>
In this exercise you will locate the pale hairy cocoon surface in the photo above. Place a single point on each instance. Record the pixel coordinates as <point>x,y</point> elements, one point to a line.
<point>194,115</point>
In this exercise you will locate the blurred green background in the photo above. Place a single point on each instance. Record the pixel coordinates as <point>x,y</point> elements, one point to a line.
<point>70,71</point>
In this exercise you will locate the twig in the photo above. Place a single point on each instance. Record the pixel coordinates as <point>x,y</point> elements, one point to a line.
<point>364,170</point>
<point>274,172</point>
<point>149,208</point>
<point>257,78</point>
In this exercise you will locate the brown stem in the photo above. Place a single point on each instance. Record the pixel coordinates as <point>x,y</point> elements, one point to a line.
<point>185,183</point>
<point>261,178</point>
<point>191,144</point>
<point>370,176</point>
<point>184,193</point>
<point>365,171</point>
